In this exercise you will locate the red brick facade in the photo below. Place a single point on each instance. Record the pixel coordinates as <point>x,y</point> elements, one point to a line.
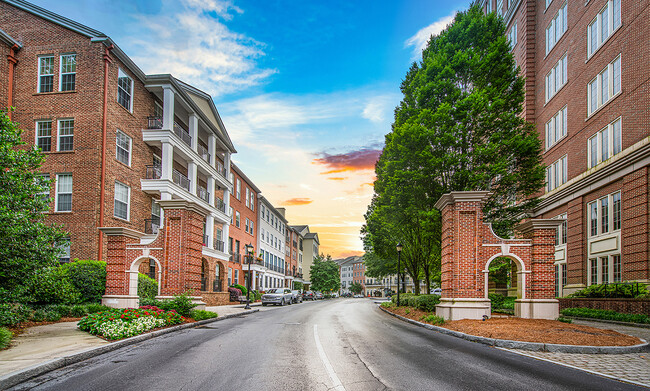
<point>242,233</point>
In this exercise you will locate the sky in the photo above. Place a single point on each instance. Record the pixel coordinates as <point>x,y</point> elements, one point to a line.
<point>306,89</point>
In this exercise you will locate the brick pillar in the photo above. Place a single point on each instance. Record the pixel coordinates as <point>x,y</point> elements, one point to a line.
<point>635,223</point>
<point>118,264</point>
<point>576,246</point>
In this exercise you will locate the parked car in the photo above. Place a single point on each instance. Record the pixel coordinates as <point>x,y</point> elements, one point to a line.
<point>436,291</point>
<point>319,295</point>
<point>296,296</point>
<point>308,295</point>
<point>357,296</point>
<point>279,296</point>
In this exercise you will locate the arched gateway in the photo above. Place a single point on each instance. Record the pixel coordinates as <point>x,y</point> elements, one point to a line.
<point>468,247</point>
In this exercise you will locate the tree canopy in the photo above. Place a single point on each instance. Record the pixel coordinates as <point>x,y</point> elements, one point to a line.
<point>356,288</point>
<point>458,128</point>
<point>324,274</point>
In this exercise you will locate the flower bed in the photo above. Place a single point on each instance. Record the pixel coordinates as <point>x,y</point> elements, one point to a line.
<point>123,323</point>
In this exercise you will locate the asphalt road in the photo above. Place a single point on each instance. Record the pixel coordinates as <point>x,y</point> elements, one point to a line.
<point>342,344</point>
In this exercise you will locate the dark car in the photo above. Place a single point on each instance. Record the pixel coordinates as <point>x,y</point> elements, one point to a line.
<point>308,295</point>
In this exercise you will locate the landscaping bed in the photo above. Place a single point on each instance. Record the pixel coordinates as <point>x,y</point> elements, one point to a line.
<point>526,330</point>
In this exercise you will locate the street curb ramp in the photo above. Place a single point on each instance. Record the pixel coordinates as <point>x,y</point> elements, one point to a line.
<point>23,375</point>
<point>530,346</point>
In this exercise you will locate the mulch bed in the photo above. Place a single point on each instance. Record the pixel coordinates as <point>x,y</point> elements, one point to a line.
<point>529,330</point>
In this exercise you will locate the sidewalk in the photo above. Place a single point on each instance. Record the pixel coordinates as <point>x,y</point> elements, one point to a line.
<point>44,343</point>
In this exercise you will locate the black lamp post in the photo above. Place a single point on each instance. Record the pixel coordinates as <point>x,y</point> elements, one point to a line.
<point>249,255</point>
<point>399,253</point>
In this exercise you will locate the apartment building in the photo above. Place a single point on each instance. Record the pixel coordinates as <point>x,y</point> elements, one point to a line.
<point>587,77</point>
<point>308,245</point>
<point>293,271</point>
<point>117,142</point>
<point>359,273</point>
<point>272,243</point>
<point>345,271</point>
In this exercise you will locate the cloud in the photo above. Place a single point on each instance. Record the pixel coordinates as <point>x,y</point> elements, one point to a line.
<point>421,38</point>
<point>363,159</point>
<point>379,108</point>
<point>298,201</point>
<point>191,41</point>
<point>337,178</point>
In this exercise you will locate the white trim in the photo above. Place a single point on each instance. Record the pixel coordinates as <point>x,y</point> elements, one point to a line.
<point>118,146</point>
<point>38,80</point>
<point>67,73</point>
<point>58,134</point>
<point>57,193</point>
<point>128,201</point>
<point>122,74</point>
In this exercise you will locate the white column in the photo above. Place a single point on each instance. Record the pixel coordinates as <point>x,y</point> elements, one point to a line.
<point>192,175</point>
<point>254,280</point>
<point>226,163</point>
<point>167,161</point>
<point>212,148</point>
<point>194,130</point>
<point>168,108</point>
<point>226,234</point>
<point>209,229</point>
<point>211,190</point>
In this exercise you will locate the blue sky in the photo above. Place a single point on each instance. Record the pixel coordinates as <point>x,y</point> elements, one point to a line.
<point>306,89</point>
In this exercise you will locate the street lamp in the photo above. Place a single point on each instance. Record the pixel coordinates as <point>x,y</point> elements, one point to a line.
<point>399,252</point>
<point>249,254</point>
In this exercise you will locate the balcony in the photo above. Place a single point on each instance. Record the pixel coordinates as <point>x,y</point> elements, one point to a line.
<point>203,194</point>
<point>182,134</point>
<point>154,171</point>
<point>298,275</point>
<point>206,240</point>
<point>235,257</point>
<point>203,152</point>
<point>219,204</point>
<point>151,226</point>
<point>181,180</point>
<point>218,245</point>
<point>154,122</point>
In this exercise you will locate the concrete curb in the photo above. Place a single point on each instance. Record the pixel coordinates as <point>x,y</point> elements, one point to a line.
<point>23,375</point>
<point>530,346</point>
<point>629,324</point>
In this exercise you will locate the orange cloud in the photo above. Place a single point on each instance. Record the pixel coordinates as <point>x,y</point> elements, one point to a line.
<point>345,254</point>
<point>363,159</point>
<point>337,178</point>
<point>298,201</point>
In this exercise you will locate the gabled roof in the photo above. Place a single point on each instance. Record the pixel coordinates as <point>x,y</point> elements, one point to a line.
<point>269,205</point>
<point>300,229</point>
<point>312,235</point>
<point>9,40</point>
<point>246,179</point>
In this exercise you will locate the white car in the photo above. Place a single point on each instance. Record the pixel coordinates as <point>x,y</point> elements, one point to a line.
<point>279,296</point>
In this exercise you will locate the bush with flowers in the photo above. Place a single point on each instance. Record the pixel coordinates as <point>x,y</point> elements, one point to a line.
<point>123,323</point>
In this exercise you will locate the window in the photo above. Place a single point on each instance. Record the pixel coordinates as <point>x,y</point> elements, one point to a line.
<point>556,127</point>
<point>46,74</point>
<point>605,269</point>
<point>238,189</point>
<point>68,74</point>
<point>66,132</point>
<point>488,6</point>
<point>556,174</point>
<point>512,35</point>
<point>248,200</point>
<point>123,148</point>
<point>63,199</point>
<point>556,78</point>
<point>124,90</point>
<point>155,216</point>
<point>44,194</point>
<point>236,276</point>
<point>604,144</point>
<point>44,135</point>
<point>252,225</point>
<point>604,86</point>
<point>499,8</point>
<point>237,219</point>
<point>121,206</point>
<point>548,2</point>
<point>616,261</point>
<point>605,213</point>
<point>556,29</point>
<point>561,234</point>
<point>247,224</point>
<point>64,253</point>
<point>252,200</point>
<point>232,214</point>
<point>603,25</point>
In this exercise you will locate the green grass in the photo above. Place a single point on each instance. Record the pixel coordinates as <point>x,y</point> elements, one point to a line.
<point>202,315</point>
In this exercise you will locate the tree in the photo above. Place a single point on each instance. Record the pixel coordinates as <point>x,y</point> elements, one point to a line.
<point>458,128</point>
<point>27,243</point>
<point>356,288</point>
<point>325,276</point>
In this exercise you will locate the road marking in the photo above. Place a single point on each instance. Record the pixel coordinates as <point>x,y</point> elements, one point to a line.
<point>338,386</point>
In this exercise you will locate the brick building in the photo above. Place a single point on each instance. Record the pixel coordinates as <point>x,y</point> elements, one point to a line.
<point>118,143</point>
<point>587,84</point>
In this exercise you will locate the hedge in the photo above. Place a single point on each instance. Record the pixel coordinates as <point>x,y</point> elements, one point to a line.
<point>614,291</point>
<point>422,302</point>
<point>605,314</point>
<point>88,277</point>
<point>147,287</point>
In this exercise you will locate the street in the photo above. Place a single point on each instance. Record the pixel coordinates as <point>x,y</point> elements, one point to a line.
<point>341,344</point>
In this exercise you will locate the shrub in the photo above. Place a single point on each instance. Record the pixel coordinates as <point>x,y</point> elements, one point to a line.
<point>241,288</point>
<point>234,294</point>
<point>388,304</point>
<point>605,314</point>
<point>94,307</point>
<point>426,302</point>
<point>152,302</point>
<point>13,313</point>
<point>52,316</point>
<point>202,314</point>
<point>64,310</point>
<point>39,315</point>
<point>497,300</point>
<point>180,303</point>
<point>78,311</point>
<point>615,291</point>
<point>5,337</point>
<point>147,287</point>
<point>88,277</point>
<point>403,298</point>
<point>565,320</point>
<point>52,286</point>
<point>433,319</point>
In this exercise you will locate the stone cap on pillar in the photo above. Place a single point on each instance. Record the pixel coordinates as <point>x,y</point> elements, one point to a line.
<point>533,224</point>
<point>121,231</point>
<point>183,204</point>
<point>461,196</point>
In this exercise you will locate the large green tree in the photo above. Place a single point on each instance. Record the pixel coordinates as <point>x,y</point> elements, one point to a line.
<point>458,128</point>
<point>356,288</point>
<point>27,243</point>
<point>324,274</point>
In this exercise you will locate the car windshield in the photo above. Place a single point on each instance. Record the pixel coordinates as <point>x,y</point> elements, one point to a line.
<point>274,290</point>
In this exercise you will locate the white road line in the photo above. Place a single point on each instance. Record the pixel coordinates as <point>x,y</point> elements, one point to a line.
<point>338,386</point>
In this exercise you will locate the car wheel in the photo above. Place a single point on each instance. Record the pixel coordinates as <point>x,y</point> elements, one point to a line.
<point>282,303</point>
<point>264,304</point>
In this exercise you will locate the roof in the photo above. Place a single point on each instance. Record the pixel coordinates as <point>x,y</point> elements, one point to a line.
<point>269,205</point>
<point>9,40</point>
<point>347,261</point>
<point>312,235</point>
<point>246,179</point>
<point>300,228</point>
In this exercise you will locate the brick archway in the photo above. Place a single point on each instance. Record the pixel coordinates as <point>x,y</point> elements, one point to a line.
<point>135,269</point>
<point>468,247</point>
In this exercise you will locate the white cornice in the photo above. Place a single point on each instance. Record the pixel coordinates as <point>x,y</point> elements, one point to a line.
<point>461,196</point>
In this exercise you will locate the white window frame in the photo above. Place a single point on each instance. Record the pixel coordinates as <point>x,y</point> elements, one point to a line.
<point>248,200</point>
<point>613,134</point>
<point>59,191</point>
<point>602,268</point>
<point>561,231</point>
<point>556,78</point>
<point>237,219</point>
<point>556,128</point>
<point>45,193</point>
<point>252,200</point>
<point>43,137</point>
<point>238,189</point>
<point>548,2</point>
<point>65,249</point>
<point>252,231</point>
<point>610,7</point>
<point>608,73</point>
<point>119,147</point>
<point>611,228</point>
<point>121,74</point>
<point>59,135</point>
<point>61,73</point>
<point>512,35</point>
<point>556,174</point>
<point>556,28</point>
<point>128,201</point>
<point>40,74</point>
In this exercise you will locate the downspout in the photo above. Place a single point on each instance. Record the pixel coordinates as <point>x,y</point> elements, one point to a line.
<point>102,195</point>
<point>11,58</point>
